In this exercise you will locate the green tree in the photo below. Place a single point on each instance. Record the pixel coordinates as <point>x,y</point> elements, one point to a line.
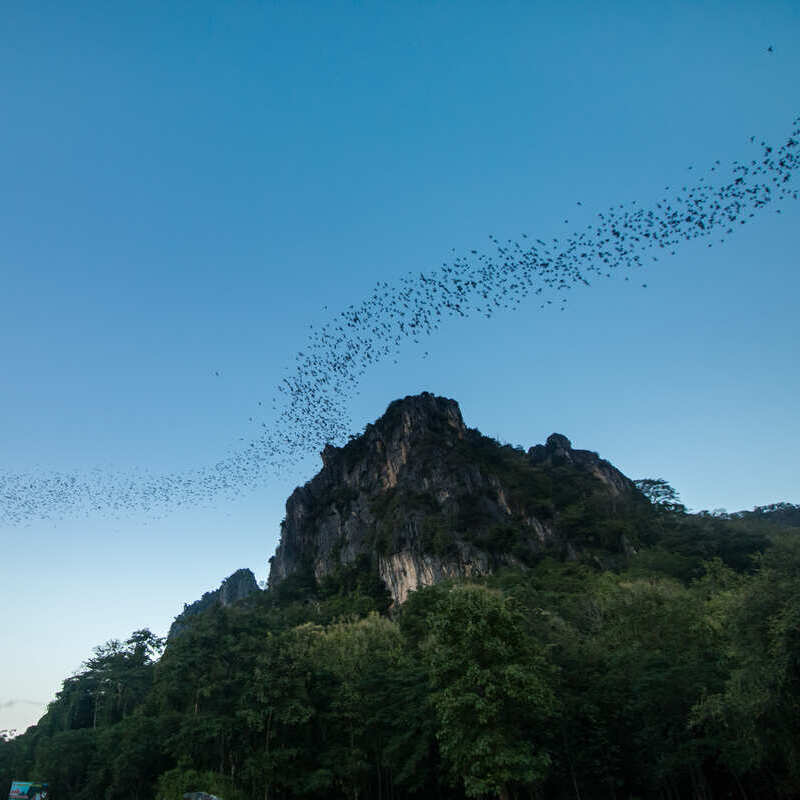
<point>276,707</point>
<point>352,653</point>
<point>755,717</point>
<point>660,493</point>
<point>66,760</point>
<point>653,655</point>
<point>492,693</point>
<point>176,782</point>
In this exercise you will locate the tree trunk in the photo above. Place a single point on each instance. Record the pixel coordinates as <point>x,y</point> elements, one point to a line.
<point>266,750</point>
<point>571,765</point>
<point>739,786</point>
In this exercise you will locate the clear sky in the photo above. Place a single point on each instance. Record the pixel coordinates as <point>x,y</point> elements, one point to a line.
<point>187,187</point>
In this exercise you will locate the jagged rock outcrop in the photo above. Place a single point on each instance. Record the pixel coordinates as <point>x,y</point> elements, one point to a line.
<point>419,497</point>
<point>558,452</point>
<point>234,588</point>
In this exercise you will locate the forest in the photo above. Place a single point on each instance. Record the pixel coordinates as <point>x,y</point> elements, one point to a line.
<point>668,672</point>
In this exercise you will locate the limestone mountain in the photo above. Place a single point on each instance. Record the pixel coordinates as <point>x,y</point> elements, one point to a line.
<point>234,588</point>
<point>420,497</point>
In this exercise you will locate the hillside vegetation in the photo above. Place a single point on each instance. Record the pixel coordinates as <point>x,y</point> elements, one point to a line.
<point>673,674</point>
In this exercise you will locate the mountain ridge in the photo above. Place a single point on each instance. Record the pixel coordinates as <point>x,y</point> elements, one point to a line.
<point>420,497</point>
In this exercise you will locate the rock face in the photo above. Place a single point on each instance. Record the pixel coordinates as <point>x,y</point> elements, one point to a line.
<point>234,588</point>
<point>558,452</point>
<point>419,497</point>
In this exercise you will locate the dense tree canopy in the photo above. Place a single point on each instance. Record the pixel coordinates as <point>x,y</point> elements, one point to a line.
<point>669,671</point>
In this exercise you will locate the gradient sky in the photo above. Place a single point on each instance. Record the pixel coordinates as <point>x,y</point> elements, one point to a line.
<point>186,186</point>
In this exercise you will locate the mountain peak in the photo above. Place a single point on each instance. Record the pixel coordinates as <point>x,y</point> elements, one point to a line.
<point>234,588</point>
<point>422,411</point>
<point>419,497</point>
<point>404,422</point>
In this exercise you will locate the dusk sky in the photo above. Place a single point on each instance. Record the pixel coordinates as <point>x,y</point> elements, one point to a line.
<point>186,188</point>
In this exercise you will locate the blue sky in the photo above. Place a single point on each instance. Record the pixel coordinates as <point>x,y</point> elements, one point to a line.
<point>186,187</point>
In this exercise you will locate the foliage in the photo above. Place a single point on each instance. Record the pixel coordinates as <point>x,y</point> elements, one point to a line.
<point>359,578</point>
<point>176,782</point>
<point>491,692</point>
<point>670,670</point>
<point>660,493</point>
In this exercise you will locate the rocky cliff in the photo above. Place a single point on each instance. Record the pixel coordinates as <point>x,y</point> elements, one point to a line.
<point>234,588</point>
<point>419,497</point>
